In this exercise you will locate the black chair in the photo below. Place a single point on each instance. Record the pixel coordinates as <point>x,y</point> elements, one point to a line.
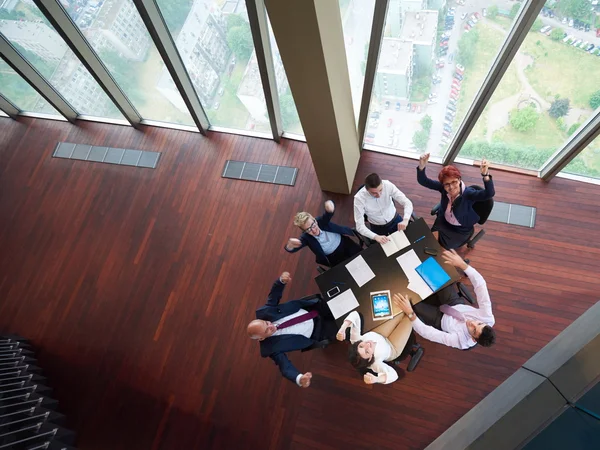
<point>483,210</point>
<point>361,242</point>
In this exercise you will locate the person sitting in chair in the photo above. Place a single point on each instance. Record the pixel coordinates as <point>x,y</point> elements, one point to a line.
<point>456,216</point>
<point>329,242</point>
<point>390,341</point>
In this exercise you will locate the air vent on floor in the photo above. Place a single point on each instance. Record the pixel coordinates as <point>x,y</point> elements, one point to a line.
<point>264,173</point>
<point>124,157</point>
<point>513,214</point>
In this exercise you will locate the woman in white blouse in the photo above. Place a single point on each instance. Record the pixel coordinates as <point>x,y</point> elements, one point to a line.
<point>389,341</point>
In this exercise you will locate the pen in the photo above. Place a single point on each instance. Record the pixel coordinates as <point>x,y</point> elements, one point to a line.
<point>420,239</point>
<point>338,282</point>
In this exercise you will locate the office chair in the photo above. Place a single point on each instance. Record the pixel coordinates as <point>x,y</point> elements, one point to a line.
<point>368,242</point>
<point>361,242</point>
<point>483,210</point>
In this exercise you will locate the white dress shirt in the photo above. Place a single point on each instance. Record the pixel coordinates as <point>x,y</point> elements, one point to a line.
<point>305,328</point>
<point>379,210</point>
<point>383,350</point>
<point>455,332</point>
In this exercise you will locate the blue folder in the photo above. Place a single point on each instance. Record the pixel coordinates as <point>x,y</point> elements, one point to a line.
<point>433,274</point>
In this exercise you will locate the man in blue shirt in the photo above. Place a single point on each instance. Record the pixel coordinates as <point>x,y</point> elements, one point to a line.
<point>329,242</point>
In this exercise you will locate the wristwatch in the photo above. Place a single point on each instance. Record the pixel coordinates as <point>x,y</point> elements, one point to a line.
<point>411,315</point>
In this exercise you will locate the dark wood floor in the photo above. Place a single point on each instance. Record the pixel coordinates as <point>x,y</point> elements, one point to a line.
<point>136,286</point>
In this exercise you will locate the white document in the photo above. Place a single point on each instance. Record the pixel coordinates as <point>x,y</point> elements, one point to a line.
<point>397,242</point>
<point>360,271</point>
<point>343,303</point>
<point>409,261</point>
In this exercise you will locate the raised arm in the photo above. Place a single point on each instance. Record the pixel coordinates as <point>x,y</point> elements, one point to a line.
<point>488,184</point>
<point>294,244</point>
<point>328,214</point>
<point>277,289</point>
<point>481,291</point>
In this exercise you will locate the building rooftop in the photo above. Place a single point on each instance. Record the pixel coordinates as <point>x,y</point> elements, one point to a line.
<point>420,26</point>
<point>395,55</point>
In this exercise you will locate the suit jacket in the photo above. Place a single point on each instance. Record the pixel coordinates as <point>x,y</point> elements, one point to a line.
<point>462,207</point>
<point>276,347</point>
<point>325,224</point>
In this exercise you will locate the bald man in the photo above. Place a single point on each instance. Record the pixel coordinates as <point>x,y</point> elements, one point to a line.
<point>294,325</point>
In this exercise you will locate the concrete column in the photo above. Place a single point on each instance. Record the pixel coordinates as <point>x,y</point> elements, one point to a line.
<point>311,43</point>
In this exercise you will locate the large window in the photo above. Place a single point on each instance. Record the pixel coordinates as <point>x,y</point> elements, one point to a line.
<point>118,35</point>
<point>23,96</point>
<point>26,28</point>
<point>587,163</point>
<point>432,62</point>
<point>550,88</point>
<point>214,40</point>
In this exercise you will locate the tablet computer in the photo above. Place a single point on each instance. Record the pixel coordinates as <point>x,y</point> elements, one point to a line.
<point>381,305</point>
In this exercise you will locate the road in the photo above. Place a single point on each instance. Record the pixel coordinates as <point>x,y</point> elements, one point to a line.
<point>589,36</point>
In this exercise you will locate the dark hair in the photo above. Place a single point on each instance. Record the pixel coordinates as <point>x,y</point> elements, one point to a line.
<point>448,172</point>
<point>372,181</point>
<point>358,362</point>
<point>487,337</point>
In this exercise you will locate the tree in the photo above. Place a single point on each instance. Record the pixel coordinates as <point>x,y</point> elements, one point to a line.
<point>559,108</point>
<point>578,9</point>
<point>524,119</point>
<point>420,139</point>
<point>289,114</point>
<point>573,128</point>
<point>239,39</point>
<point>537,24</point>
<point>426,123</point>
<point>595,100</point>
<point>514,10</point>
<point>492,11</point>
<point>557,34</point>
<point>467,46</point>
<point>234,20</point>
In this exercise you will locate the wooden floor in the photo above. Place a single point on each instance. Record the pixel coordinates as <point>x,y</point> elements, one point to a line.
<point>136,286</point>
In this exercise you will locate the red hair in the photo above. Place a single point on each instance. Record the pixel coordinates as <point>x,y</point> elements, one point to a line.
<point>449,172</point>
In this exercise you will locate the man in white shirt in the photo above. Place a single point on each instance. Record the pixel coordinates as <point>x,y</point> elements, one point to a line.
<point>453,323</point>
<point>376,200</point>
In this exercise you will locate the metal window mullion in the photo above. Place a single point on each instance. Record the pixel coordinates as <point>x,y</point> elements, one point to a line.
<point>153,19</point>
<point>516,36</point>
<point>14,59</point>
<point>257,15</point>
<point>8,107</point>
<point>578,141</point>
<point>377,27</point>
<point>73,37</point>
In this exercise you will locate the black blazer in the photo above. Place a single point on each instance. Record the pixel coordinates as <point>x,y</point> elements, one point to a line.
<point>276,347</point>
<point>325,224</point>
<point>462,207</point>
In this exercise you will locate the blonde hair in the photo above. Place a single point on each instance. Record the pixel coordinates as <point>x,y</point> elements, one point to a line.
<point>301,218</point>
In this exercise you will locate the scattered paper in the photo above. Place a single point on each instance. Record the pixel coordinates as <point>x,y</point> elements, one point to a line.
<point>397,242</point>
<point>360,271</point>
<point>409,261</point>
<point>342,304</point>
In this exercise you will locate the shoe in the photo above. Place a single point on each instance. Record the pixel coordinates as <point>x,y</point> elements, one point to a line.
<point>414,359</point>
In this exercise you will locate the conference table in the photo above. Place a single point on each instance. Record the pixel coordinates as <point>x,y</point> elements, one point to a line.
<point>388,273</point>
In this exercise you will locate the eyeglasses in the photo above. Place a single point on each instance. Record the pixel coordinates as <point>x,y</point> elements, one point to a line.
<point>451,184</point>
<point>312,227</point>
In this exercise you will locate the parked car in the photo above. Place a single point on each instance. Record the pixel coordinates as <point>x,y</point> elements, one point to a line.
<point>484,12</point>
<point>460,68</point>
<point>454,96</point>
<point>478,16</point>
<point>571,22</point>
<point>543,29</point>
<point>576,43</point>
<point>454,93</point>
<point>474,19</point>
<point>566,38</point>
<point>587,27</point>
<point>548,31</point>
<point>444,44</point>
<point>432,101</point>
<point>446,134</point>
<point>458,76</point>
<point>397,106</point>
<point>375,114</point>
<point>462,16</point>
<point>583,44</point>
<point>370,135</point>
<point>467,27</point>
<point>449,118</point>
<point>591,49</point>
<point>436,81</point>
<point>390,122</point>
<point>432,95</point>
<point>387,104</point>
<point>470,23</point>
<point>450,113</point>
<point>451,108</point>
<point>408,105</point>
<point>452,102</point>
<point>565,20</point>
<point>448,128</point>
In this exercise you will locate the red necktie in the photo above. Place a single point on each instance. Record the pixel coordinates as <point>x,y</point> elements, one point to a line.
<point>303,318</point>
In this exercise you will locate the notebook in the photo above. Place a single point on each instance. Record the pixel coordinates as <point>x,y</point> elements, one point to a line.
<point>397,242</point>
<point>433,274</point>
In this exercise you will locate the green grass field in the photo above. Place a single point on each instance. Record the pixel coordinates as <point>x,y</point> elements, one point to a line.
<point>545,134</point>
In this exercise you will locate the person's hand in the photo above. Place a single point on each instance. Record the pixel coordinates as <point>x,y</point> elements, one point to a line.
<point>369,378</point>
<point>485,166</point>
<point>381,239</point>
<point>401,226</point>
<point>402,302</point>
<point>329,206</point>
<point>294,243</point>
<point>305,380</point>
<point>285,278</point>
<point>451,257</point>
<point>423,160</point>
<point>341,335</point>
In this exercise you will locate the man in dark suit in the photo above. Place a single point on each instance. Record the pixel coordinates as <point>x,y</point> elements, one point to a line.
<point>295,325</point>
<point>331,243</point>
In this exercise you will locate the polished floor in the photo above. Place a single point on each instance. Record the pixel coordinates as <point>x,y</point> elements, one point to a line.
<point>136,286</point>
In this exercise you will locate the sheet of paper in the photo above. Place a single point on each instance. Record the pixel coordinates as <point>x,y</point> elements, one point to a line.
<point>389,248</point>
<point>343,303</point>
<point>360,271</point>
<point>397,242</point>
<point>409,261</point>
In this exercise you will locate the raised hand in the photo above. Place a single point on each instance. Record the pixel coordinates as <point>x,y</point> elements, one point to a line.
<point>329,206</point>
<point>451,257</point>
<point>285,278</point>
<point>294,243</point>
<point>485,166</point>
<point>423,160</point>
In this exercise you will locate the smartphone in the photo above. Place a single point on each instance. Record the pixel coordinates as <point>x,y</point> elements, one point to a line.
<point>333,291</point>
<point>431,251</point>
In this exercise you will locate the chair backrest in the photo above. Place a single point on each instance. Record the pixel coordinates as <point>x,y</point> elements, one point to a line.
<point>483,208</point>
<point>365,216</point>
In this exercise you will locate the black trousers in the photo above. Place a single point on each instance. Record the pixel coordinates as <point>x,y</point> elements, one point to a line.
<point>325,326</point>
<point>388,228</point>
<point>429,309</point>
<point>347,249</point>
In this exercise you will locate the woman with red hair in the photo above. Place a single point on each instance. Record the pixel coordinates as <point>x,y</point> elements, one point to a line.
<point>456,216</point>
